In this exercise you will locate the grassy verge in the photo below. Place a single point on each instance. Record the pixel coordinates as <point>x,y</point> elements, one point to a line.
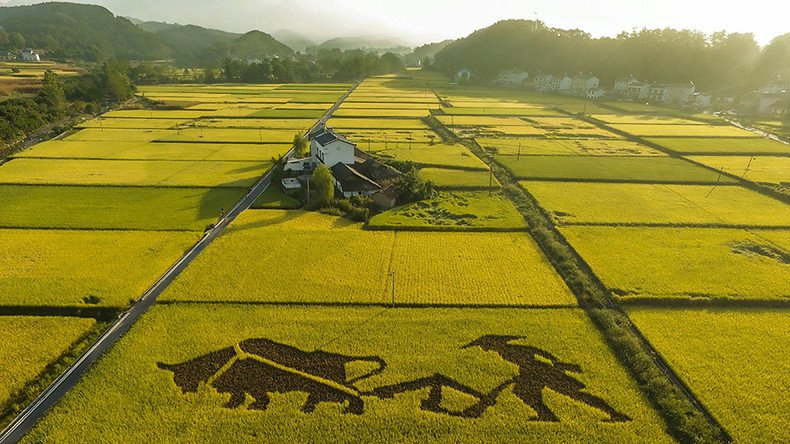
<point>686,418</point>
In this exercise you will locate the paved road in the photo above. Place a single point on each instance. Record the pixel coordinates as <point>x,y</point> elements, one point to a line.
<point>38,408</point>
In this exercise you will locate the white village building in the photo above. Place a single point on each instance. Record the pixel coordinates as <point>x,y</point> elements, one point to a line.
<point>29,55</point>
<point>512,78</point>
<point>583,83</point>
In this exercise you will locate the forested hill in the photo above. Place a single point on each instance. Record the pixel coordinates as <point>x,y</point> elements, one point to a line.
<point>713,62</point>
<point>72,31</point>
<point>92,33</point>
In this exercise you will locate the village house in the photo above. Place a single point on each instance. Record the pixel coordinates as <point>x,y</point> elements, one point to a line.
<point>637,91</point>
<point>680,93</point>
<point>583,83</point>
<point>622,84</point>
<point>596,93</point>
<point>29,55</point>
<point>512,78</point>
<point>355,173</point>
<point>463,75</point>
<point>551,83</point>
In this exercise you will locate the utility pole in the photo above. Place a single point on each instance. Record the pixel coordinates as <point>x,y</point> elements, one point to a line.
<point>519,152</point>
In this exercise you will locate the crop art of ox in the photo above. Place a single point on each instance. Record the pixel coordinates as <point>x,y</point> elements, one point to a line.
<point>260,367</point>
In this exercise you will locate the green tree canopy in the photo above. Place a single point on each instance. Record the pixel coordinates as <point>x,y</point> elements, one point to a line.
<point>323,184</point>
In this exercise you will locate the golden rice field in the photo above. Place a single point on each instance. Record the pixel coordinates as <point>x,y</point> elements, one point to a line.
<point>435,155</point>
<point>127,394</point>
<point>696,263</point>
<point>735,145</point>
<point>736,361</point>
<point>767,169</point>
<point>628,203</point>
<point>63,267</point>
<point>654,130</point>
<point>570,147</point>
<point>30,344</point>
<point>453,179</point>
<point>430,268</point>
<point>104,150</point>
<point>132,172</point>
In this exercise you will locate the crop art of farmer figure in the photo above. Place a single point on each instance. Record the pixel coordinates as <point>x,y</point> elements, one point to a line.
<point>540,370</point>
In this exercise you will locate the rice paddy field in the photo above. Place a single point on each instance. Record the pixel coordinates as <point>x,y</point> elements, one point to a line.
<point>608,168</point>
<point>766,169</point>
<point>113,208</point>
<point>104,150</point>
<point>80,268</point>
<point>568,147</point>
<point>132,173</point>
<point>128,393</point>
<point>91,220</point>
<point>452,211</point>
<point>737,361</point>
<point>572,203</point>
<point>438,320</point>
<point>688,263</point>
<point>732,146</point>
<point>30,344</point>
<point>430,268</point>
<point>655,130</point>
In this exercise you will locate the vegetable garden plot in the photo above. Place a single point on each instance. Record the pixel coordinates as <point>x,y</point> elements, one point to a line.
<point>401,375</point>
<point>735,361</point>
<point>132,173</point>
<point>55,268</point>
<point>688,263</point>
<point>626,203</point>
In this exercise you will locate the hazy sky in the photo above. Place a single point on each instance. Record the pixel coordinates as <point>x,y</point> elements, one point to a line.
<point>419,21</point>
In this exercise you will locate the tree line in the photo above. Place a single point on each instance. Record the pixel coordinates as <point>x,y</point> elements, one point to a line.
<point>720,62</point>
<point>328,65</point>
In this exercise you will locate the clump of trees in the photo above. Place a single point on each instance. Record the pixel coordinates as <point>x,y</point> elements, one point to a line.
<point>61,100</point>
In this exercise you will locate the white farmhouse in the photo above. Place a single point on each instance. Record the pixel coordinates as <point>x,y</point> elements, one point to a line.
<point>512,78</point>
<point>658,92</point>
<point>463,75</point>
<point>596,93</point>
<point>681,93</point>
<point>622,84</point>
<point>29,55</point>
<point>330,149</point>
<point>583,83</point>
<point>544,82</point>
<point>564,83</point>
<point>638,90</point>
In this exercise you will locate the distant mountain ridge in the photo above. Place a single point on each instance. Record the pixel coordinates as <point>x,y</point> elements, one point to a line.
<point>91,33</point>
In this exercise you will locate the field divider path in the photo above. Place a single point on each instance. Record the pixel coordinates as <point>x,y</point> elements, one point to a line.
<point>28,418</point>
<point>687,418</point>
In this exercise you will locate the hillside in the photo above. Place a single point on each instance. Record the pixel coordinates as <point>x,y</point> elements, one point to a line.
<point>192,43</point>
<point>256,45</point>
<point>86,32</point>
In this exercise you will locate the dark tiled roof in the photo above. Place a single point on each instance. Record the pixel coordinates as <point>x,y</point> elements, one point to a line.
<point>327,136</point>
<point>352,180</point>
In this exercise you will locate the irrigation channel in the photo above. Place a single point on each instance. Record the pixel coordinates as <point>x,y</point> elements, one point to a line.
<point>28,418</point>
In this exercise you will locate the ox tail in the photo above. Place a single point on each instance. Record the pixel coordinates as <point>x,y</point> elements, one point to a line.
<point>382,365</point>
